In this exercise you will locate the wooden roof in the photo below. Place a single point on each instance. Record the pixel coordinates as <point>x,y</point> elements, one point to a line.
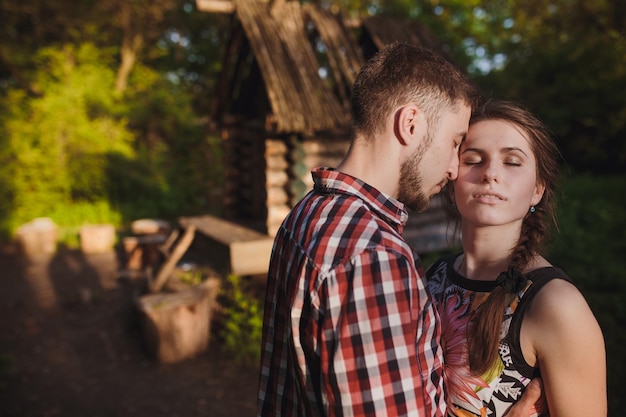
<point>281,38</point>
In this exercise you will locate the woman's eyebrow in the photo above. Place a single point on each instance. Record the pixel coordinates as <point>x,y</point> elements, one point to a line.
<point>513,148</point>
<point>476,150</point>
<point>502,151</point>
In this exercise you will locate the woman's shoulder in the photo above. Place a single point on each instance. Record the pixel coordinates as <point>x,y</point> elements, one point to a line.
<point>559,308</point>
<point>441,265</point>
<point>558,297</point>
<point>438,274</point>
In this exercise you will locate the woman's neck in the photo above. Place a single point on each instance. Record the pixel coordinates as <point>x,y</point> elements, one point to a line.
<point>487,251</point>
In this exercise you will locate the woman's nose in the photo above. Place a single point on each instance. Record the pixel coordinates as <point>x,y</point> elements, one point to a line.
<point>490,173</point>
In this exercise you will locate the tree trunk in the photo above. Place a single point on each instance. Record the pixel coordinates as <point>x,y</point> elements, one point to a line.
<point>132,41</point>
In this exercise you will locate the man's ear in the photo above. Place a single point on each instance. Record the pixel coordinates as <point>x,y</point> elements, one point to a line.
<point>409,120</point>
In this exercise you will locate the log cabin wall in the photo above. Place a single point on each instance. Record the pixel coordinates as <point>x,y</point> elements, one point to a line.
<point>278,180</point>
<point>288,173</point>
<point>244,192</point>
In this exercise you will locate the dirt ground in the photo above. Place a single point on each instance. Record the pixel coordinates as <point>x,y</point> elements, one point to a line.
<point>70,345</point>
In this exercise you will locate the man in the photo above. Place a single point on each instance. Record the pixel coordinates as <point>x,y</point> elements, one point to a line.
<point>349,329</point>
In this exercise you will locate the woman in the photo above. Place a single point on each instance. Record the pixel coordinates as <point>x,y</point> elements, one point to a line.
<point>507,314</point>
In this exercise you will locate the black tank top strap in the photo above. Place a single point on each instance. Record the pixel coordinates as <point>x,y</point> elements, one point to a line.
<point>539,278</point>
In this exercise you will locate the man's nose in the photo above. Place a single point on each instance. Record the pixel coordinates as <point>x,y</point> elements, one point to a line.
<point>453,169</point>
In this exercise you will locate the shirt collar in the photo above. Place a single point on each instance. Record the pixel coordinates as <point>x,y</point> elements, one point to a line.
<point>328,180</point>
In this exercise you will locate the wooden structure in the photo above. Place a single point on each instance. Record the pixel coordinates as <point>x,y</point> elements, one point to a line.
<point>282,104</point>
<point>175,319</point>
<point>232,248</point>
<point>177,325</point>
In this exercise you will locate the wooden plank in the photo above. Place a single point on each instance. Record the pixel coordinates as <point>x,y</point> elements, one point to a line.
<point>326,108</point>
<point>344,53</point>
<point>247,251</point>
<point>170,262</point>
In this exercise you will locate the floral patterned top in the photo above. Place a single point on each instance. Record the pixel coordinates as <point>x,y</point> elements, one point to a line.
<point>456,297</point>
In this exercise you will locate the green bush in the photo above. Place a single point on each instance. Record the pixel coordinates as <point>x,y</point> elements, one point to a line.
<point>242,323</point>
<point>57,141</point>
<point>78,152</point>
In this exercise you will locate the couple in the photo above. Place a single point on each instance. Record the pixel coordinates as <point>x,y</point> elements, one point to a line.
<point>352,324</point>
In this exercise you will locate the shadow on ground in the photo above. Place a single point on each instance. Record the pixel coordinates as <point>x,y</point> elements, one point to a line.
<point>70,345</point>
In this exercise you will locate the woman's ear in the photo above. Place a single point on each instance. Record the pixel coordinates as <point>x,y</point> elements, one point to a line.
<point>540,188</point>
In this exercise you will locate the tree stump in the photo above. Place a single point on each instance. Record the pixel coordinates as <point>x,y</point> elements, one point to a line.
<point>177,326</point>
<point>37,237</point>
<point>97,238</point>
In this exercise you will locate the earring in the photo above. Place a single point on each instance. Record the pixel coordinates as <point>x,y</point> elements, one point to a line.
<point>532,209</point>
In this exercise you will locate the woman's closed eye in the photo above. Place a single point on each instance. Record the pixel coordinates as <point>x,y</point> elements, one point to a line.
<point>513,162</point>
<point>471,161</point>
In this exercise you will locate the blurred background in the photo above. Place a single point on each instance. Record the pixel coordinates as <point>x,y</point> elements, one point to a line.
<point>109,113</point>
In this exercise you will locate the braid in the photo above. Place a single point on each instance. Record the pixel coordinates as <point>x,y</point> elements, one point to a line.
<point>483,334</point>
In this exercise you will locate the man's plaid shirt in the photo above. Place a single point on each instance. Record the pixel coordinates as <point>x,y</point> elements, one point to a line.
<point>349,329</point>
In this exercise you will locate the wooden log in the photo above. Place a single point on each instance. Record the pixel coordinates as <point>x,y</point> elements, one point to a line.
<point>277,162</point>
<point>276,214</point>
<point>177,326</point>
<point>277,196</point>
<point>324,147</point>
<point>275,147</point>
<point>272,229</point>
<point>276,178</point>
<point>313,161</point>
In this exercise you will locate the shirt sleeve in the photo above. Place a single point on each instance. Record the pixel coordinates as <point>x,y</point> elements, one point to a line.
<point>372,309</point>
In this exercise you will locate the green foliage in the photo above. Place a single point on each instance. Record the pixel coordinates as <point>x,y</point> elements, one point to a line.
<point>567,62</point>
<point>77,153</point>
<point>176,163</point>
<point>191,277</point>
<point>243,323</point>
<point>57,141</point>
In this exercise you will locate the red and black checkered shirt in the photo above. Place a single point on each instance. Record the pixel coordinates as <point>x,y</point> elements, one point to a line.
<point>349,329</point>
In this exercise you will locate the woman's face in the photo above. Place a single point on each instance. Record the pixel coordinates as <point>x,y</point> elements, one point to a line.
<point>497,181</point>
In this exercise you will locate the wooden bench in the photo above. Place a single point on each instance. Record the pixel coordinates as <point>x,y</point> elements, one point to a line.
<point>231,247</point>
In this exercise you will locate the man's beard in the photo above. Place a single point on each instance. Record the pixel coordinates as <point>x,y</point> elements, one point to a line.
<point>410,190</point>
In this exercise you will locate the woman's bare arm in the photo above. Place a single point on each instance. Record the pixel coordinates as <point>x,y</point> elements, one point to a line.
<point>567,343</point>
